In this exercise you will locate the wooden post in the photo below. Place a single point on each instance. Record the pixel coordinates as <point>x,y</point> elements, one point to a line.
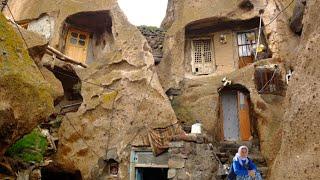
<point>51,51</point>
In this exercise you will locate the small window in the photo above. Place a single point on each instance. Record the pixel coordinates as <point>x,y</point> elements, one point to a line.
<point>82,36</point>
<point>82,42</point>
<point>197,51</point>
<point>268,81</point>
<point>73,40</point>
<point>113,167</point>
<point>74,34</point>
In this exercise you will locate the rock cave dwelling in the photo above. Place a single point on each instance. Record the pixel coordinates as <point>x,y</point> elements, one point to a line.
<point>87,95</point>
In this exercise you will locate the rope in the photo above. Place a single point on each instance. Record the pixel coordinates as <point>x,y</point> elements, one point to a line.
<point>6,4</point>
<point>274,18</point>
<point>88,82</point>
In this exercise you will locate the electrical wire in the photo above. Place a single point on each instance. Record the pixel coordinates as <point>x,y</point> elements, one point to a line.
<point>14,21</point>
<point>88,82</point>
<point>276,17</point>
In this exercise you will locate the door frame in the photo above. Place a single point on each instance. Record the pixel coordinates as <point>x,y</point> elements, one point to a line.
<point>133,165</point>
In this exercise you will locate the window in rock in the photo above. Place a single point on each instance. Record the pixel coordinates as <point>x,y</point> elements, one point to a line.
<point>268,81</point>
<point>246,45</point>
<point>113,167</point>
<point>87,36</point>
<point>202,56</point>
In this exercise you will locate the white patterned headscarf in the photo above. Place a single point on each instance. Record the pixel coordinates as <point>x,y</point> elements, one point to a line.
<point>237,157</point>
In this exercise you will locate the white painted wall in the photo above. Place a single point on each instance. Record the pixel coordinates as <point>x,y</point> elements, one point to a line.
<point>43,26</point>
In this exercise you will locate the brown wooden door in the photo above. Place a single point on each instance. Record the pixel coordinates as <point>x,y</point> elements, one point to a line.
<point>77,45</point>
<point>244,116</point>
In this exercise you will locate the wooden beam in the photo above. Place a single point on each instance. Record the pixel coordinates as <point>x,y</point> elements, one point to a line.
<point>151,166</point>
<point>50,50</point>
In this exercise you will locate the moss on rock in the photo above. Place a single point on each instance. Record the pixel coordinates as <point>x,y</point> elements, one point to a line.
<point>30,148</point>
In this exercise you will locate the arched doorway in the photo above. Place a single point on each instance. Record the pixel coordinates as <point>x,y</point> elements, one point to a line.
<point>235,113</point>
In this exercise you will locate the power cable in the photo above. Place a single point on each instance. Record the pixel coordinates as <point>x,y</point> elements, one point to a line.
<point>274,18</point>
<point>88,82</point>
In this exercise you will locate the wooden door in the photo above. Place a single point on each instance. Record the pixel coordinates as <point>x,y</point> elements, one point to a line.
<point>202,59</point>
<point>77,45</point>
<point>244,116</point>
<point>230,115</point>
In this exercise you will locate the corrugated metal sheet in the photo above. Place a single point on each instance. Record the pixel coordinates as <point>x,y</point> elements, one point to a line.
<point>230,116</point>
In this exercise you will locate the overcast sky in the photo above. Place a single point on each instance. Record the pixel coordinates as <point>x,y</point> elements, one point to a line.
<point>144,12</point>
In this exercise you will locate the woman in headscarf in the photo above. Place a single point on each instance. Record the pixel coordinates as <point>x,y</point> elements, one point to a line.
<point>243,167</point>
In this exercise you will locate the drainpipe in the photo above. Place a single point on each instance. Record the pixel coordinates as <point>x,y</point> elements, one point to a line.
<point>261,11</point>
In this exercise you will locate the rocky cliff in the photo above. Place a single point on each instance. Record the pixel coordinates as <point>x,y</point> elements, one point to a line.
<point>298,157</point>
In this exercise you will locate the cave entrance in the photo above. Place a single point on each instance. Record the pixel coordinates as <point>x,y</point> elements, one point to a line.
<point>151,173</point>
<point>71,84</point>
<point>144,165</point>
<point>54,172</point>
<point>235,113</point>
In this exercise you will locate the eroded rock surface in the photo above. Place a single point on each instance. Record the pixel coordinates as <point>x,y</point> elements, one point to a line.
<point>300,144</point>
<point>122,101</point>
<point>26,98</point>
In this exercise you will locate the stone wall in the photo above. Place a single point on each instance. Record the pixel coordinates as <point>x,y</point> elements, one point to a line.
<point>191,158</point>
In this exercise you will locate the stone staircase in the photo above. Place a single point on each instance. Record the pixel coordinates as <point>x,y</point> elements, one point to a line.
<point>227,150</point>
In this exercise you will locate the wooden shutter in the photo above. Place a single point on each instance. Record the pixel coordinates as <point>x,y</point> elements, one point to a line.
<point>202,56</point>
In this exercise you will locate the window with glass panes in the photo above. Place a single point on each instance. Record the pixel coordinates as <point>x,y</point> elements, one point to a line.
<point>246,43</point>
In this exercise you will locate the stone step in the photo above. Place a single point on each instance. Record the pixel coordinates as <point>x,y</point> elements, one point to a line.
<point>264,171</point>
<point>236,144</point>
<point>224,160</point>
<point>230,151</point>
<point>222,155</point>
<point>258,159</point>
